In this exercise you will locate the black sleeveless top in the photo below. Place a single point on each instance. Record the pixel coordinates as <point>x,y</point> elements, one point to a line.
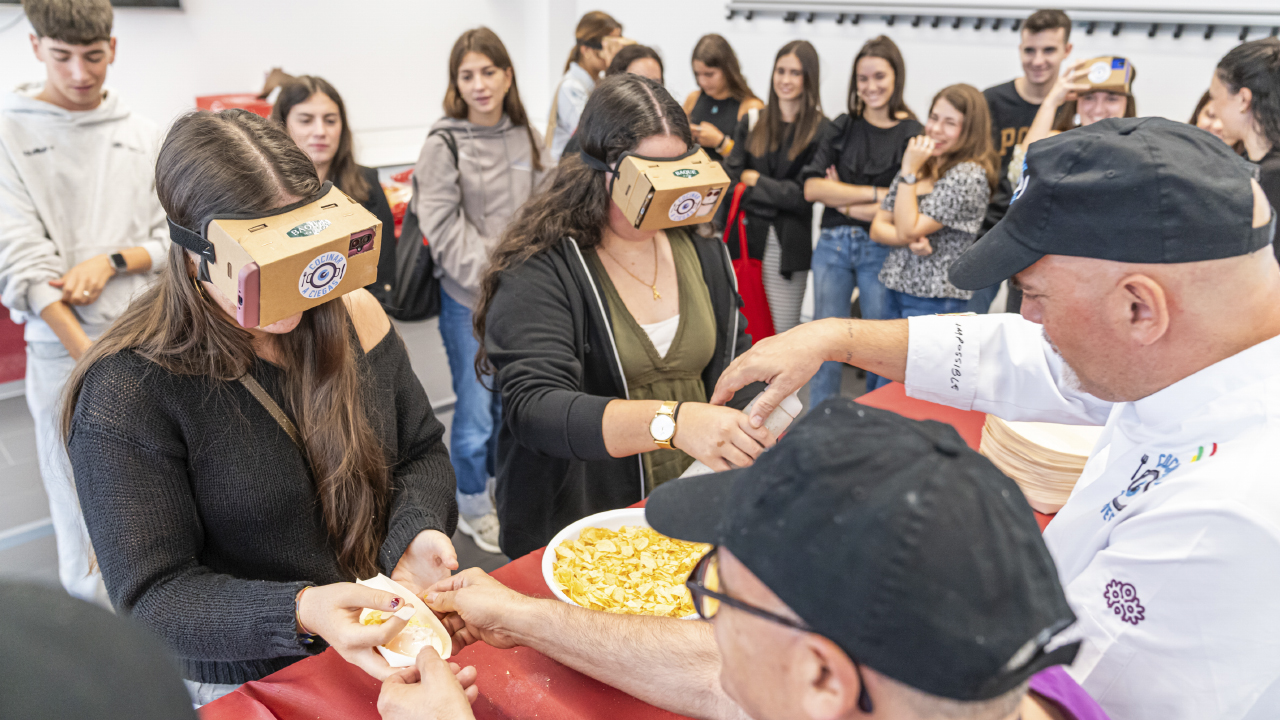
<point>721,113</point>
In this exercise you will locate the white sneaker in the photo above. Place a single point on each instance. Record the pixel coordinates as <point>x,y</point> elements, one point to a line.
<point>483,530</point>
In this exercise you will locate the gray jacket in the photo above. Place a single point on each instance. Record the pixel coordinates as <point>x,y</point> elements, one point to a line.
<point>464,208</point>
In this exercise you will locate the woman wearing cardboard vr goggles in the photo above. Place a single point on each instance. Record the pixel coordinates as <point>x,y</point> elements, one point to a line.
<point>236,475</point>
<point>1089,91</point>
<point>606,333</point>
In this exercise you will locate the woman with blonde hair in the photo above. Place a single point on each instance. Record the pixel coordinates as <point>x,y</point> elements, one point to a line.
<point>589,59</point>
<point>936,204</point>
<point>722,98</point>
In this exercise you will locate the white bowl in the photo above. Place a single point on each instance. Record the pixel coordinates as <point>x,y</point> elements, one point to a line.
<point>608,520</point>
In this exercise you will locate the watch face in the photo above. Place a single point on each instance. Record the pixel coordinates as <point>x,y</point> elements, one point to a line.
<point>662,428</point>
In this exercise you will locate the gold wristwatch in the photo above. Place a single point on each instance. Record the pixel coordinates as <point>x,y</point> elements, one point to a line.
<point>663,425</point>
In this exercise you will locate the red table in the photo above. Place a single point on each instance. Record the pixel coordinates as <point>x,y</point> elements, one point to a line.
<point>516,683</point>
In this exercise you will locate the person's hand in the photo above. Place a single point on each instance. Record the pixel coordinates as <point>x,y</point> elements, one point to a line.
<point>921,247</point>
<point>428,559</point>
<point>83,283</point>
<point>750,177</point>
<point>919,149</point>
<point>430,690</point>
<point>708,135</point>
<point>1070,85</point>
<point>721,437</point>
<point>833,174</point>
<point>333,613</point>
<point>477,608</point>
<point>785,361</point>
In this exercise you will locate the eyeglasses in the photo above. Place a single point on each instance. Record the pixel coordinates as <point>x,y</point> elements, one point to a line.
<point>704,586</point>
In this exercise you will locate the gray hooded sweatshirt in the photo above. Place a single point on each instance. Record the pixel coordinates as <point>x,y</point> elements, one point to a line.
<point>74,185</point>
<point>464,208</point>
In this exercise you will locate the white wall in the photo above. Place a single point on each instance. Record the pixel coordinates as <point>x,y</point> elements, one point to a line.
<point>388,57</point>
<point>1171,73</point>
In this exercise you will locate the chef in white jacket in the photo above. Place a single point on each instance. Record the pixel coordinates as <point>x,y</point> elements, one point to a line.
<point>81,231</point>
<point>1151,307</point>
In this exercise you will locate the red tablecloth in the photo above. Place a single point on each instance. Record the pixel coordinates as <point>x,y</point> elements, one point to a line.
<point>513,684</point>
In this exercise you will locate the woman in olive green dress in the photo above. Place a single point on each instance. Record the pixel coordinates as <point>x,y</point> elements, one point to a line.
<point>605,341</point>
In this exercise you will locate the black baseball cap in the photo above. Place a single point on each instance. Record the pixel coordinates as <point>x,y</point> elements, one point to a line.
<point>1138,190</point>
<point>894,540</point>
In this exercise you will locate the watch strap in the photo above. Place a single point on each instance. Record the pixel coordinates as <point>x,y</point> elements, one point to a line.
<point>668,408</point>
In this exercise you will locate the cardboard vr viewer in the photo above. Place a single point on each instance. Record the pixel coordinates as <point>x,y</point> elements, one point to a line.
<point>658,194</point>
<point>280,265</point>
<point>1110,74</point>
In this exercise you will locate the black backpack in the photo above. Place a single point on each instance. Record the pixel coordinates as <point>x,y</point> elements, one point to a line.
<point>416,295</point>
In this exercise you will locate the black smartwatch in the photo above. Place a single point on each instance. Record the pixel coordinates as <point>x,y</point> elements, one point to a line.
<point>118,262</point>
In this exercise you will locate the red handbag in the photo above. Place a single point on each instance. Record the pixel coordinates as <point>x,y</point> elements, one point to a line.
<point>755,305</point>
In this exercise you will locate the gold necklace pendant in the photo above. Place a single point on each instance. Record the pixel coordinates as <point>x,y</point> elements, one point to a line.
<point>656,295</point>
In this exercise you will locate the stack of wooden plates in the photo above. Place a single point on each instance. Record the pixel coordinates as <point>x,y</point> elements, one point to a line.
<point>1044,459</point>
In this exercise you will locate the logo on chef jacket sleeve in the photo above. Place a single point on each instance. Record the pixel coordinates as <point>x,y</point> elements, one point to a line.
<point>1122,598</point>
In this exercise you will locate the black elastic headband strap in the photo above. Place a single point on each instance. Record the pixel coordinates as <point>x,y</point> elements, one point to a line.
<point>198,244</point>
<point>596,163</point>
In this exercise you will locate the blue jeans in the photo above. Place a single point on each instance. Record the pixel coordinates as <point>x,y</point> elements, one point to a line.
<point>845,258</point>
<point>477,412</point>
<point>902,305</point>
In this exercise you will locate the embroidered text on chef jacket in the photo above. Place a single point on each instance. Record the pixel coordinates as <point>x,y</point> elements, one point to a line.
<point>1169,547</point>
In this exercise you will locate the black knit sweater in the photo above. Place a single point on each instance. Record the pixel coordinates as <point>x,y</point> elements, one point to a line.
<point>203,513</point>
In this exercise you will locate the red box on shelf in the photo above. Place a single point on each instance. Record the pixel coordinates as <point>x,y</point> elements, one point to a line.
<point>244,101</point>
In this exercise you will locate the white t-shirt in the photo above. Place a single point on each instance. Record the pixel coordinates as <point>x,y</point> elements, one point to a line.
<point>662,333</point>
<point>1169,547</point>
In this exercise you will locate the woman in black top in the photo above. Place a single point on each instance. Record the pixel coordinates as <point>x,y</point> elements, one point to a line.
<point>722,98</point>
<point>768,158</point>
<point>856,159</point>
<point>571,293</point>
<point>212,527</point>
<point>1252,118</point>
<point>313,113</point>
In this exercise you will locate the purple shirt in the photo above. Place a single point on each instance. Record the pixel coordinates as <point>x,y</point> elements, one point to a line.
<point>1056,686</point>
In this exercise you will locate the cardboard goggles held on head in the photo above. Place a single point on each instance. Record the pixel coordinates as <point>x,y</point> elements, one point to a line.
<point>658,193</point>
<point>290,259</point>
<point>1109,74</point>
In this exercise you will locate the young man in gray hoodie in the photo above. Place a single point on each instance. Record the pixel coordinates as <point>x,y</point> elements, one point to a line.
<point>81,231</point>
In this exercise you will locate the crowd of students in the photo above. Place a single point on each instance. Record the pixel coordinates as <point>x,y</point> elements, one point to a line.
<point>567,329</point>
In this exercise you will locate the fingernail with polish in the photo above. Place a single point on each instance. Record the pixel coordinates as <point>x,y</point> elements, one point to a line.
<point>395,603</point>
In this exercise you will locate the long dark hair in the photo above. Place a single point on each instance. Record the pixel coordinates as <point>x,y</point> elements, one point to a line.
<point>715,52</point>
<point>235,161</point>
<point>767,135</point>
<point>974,144</point>
<point>344,171</point>
<point>486,42</point>
<point>1256,65</point>
<point>592,29</point>
<point>622,111</point>
<point>885,49</point>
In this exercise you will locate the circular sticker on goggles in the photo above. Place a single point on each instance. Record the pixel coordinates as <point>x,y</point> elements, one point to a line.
<point>685,206</point>
<point>1099,72</point>
<point>322,275</point>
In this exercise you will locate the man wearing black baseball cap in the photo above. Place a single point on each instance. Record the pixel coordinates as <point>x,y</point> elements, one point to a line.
<point>1150,306</point>
<point>868,566</point>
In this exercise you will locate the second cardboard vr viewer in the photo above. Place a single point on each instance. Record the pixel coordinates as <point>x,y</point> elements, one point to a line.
<point>283,264</point>
<point>657,194</point>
